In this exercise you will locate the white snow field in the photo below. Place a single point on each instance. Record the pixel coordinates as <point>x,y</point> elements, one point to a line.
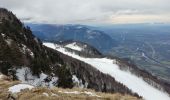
<point>17,88</point>
<point>105,65</point>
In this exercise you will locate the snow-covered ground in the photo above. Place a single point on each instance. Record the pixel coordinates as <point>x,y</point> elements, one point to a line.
<point>74,46</point>
<point>107,66</point>
<point>24,74</point>
<point>1,76</point>
<point>17,88</point>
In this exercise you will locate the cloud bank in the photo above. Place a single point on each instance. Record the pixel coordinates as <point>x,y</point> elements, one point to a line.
<point>89,11</point>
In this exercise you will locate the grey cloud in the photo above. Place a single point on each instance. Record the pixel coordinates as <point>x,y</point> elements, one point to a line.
<point>84,11</point>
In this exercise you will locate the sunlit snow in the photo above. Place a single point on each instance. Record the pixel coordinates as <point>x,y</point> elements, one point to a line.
<point>105,65</point>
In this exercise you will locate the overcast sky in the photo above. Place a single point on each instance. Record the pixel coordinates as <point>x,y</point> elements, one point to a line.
<point>90,11</point>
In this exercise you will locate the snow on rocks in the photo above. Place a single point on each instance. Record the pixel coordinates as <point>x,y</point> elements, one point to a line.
<point>78,82</point>
<point>3,35</point>
<point>8,41</point>
<point>25,75</point>
<point>25,50</point>
<point>133,82</point>
<point>17,88</point>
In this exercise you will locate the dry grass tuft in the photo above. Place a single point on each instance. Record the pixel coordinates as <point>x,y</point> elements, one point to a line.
<point>5,83</point>
<point>58,94</point>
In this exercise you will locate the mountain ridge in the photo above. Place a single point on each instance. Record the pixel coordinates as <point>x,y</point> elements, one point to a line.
<point>96,38</point>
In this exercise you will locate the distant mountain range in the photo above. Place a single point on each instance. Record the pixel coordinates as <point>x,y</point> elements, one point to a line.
<point>49,32</point>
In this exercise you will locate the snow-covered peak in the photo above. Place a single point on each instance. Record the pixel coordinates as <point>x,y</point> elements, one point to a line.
<point>51,45</point>
<point>74,46</point>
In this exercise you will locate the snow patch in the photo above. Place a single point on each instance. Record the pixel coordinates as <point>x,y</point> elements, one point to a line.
<point>91,94</point>
<point>25,75</point>
<point>78,82</point>
<point>46,94</point>
<point>78,93</point>
<point>133,82</point>
<point>8,41</point>
<point>17,88</point>
<point>73,92</point>
<point>3,35</point>
<point>54,94</point>
<point>25,50</point>
<point>1,76</point>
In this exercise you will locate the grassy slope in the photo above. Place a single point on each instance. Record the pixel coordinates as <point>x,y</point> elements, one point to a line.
<point>56,93</point>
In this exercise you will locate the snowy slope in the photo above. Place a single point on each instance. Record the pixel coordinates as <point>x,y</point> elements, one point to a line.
<point>74,46</point>
<point>105,65</point>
